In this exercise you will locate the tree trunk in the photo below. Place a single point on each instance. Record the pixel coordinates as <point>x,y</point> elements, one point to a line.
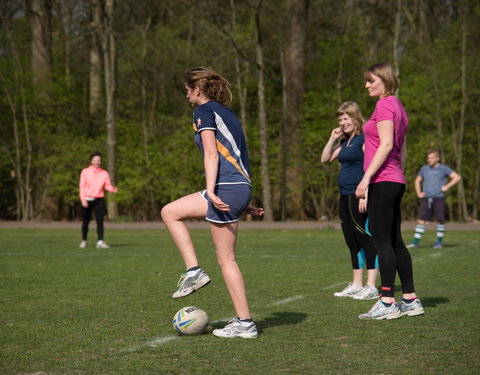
<point>291,153</point>
<point>338,83</point>
<point>95,84</point>
<point>66,12</point>
<point>152,209</point>
<point>462,201</point>
<point>241,88</point>
<point>396,37</point>
<point>262,121</point>
<point>109,64</point>
<point>41,45</point>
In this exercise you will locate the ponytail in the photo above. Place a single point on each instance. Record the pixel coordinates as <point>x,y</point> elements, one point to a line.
<point>210,83</point>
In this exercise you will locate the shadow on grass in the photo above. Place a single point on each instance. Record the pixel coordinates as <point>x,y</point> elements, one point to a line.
<point>433,301</point>
<point>277,319</point>
<point>280,319</point>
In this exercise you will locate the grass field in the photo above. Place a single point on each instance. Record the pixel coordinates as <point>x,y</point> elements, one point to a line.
<point>66,310</point>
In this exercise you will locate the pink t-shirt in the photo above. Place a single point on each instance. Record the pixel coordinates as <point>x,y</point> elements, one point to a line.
<point>93,181</point>
<point>388,108</point>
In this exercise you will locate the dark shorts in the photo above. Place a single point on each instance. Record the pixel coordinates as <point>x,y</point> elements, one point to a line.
<point>237,196</point>
<point>430,207</point>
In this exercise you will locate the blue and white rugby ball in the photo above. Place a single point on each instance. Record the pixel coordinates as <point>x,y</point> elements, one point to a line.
<point>190,321</point>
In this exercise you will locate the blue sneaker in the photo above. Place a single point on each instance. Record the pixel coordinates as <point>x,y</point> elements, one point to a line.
<point>412,246</point>
<point>379,311</point>
<point>438,245</point>
<point>411,309</point>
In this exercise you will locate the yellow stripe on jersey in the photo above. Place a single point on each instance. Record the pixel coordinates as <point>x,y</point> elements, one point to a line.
<point>194,127</point>
<point>226,154</point>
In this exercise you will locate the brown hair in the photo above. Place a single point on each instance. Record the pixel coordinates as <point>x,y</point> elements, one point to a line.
<point>210,83</point>
<point>386,73</point>
<point>95,154</point>
<point>353,110</point>
<point>433,151</point>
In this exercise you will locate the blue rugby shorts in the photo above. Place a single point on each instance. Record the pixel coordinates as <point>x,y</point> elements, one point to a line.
<point>237,196</point>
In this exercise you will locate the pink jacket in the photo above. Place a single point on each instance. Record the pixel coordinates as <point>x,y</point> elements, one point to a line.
<point>93,181</point>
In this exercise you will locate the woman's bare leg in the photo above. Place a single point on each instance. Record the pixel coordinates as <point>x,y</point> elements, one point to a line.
<point>173,214</point>
<point>225,237</point>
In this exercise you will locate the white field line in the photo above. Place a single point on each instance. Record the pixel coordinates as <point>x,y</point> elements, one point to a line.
<point>427,257</point>
<point>286,300</point>
<point>152,344</point>
<point>335,285</point>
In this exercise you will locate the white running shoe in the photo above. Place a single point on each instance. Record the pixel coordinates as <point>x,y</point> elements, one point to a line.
<point>411,309</point>
<point>349,291</point>
<point>236,328</point>
<point>83,244</point>
<point>379,311</point>
<point>190,282</point>
<point>102,245</point>
<point>368,292</point>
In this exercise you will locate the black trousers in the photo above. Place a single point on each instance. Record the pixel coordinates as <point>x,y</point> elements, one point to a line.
<point>97,205</point>
<point>354,230</point>
<point>384,200</point>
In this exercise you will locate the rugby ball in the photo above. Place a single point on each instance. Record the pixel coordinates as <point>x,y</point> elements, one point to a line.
<point>190,321</point>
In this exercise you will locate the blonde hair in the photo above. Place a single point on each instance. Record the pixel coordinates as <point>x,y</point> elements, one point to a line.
<point>210,83</point>
<point>353,110</point>
<point>386,73</point>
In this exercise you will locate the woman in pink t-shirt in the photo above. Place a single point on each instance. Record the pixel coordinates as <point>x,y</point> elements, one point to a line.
<point>384,182</point>
<point>93,180</point>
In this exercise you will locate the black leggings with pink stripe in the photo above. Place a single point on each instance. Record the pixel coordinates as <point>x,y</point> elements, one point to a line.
<point>384,217</point>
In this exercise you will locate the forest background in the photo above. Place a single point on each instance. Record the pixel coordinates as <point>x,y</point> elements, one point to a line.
<point>79,76</point>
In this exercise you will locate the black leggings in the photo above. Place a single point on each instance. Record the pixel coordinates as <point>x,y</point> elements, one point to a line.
<point>384,223</point>
<point>354,230</point>
<point>98,205</point>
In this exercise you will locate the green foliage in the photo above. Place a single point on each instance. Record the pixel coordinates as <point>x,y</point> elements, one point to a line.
<point>156,41</point>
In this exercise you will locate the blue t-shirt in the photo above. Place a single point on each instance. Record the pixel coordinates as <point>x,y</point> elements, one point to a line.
<point>351,159</point>
<point>433,179</point>
<point>234,166</point>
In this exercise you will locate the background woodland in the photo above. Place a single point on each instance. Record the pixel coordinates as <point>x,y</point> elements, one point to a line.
<point>79,76</point>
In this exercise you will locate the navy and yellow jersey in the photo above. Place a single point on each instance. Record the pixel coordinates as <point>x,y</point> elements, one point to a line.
<point>351,159</point>
<point>234,166</point>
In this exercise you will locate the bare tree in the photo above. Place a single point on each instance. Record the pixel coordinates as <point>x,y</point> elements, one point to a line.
<point>462,201</point>
<point>95,74</point>
<point>40,20</point>
<point>291,157</point>
<point>109,66</point>
<point>21,154</point>
<point>349,12</point>
<point>262,119</point>
<point>396,37</point>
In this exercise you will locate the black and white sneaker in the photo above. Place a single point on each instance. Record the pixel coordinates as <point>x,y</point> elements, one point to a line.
<point>190,282</point>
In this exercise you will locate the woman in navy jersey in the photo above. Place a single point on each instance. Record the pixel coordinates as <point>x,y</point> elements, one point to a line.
<point>352,211</point>
<point>219,135</point>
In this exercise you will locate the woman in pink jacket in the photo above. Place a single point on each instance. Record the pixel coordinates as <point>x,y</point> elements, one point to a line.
<point>92,182</point>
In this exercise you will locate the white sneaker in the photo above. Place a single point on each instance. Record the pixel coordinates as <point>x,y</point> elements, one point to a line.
<point>83,244</point>
<point>102,245</point>
<point>349,291</point>
<point>236,328</point>
<point>190,282</point>
<point>411,309</point>
<point>368,292</point>
<point>379,311</point>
